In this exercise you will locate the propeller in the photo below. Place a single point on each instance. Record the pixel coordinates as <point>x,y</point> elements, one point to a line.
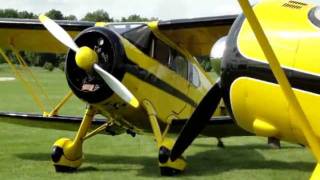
<point>197,121</point>
<point>87,59</point>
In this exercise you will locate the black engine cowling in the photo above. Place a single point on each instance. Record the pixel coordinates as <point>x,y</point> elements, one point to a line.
<point>89,86</point>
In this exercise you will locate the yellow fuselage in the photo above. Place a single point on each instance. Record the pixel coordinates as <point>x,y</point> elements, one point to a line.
<point>255,99</point>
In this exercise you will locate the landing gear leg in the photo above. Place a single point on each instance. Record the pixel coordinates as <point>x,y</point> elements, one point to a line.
<point>220,143</point>
<point>67,155</point>
<point>165,145</point>
<point>274,143</point>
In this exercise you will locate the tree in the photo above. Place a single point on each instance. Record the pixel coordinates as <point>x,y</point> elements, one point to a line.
<point>134,18</point>
<point>98,16</point>
<point>9,13</point>
<point>71,18</point>
<point>26,15</point>
<point>137,18</point>
<point>55,14</point>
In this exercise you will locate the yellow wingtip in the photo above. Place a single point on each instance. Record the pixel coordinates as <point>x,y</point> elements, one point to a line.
<point>43,17</point>
<point>134,102</point>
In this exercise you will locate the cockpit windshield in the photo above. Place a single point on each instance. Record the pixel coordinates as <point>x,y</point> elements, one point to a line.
<point>124,27</point>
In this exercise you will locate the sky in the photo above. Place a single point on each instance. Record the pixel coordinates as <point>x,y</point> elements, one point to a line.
<point>163,9</point>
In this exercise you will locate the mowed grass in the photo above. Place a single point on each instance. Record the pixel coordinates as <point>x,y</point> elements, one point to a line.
<point>25,151</point>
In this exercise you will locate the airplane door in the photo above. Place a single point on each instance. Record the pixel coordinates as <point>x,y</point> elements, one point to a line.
<point>172,92</point>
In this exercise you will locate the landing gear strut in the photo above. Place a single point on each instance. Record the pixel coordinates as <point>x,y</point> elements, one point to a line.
<point>168,167</point>
<point>66,154</point>
<point>165,145</point>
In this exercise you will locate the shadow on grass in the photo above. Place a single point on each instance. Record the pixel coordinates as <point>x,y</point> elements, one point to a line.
<point>208,162</point>
<point>249,146</point>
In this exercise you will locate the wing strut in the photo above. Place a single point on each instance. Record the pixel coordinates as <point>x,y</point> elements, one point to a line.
<point>27,85</point>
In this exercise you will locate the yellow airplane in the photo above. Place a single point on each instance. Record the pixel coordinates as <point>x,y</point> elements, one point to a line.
<point>269,90</point>
<point>143,76</point>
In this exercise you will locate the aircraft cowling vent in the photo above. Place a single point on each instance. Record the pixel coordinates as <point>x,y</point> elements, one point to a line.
<point>88,85</point>
<point>294,4</point>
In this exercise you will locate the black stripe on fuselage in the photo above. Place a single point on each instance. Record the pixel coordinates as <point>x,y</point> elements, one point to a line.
<point>235,65</point>
<point>298,80</point>
<point>153,80</point>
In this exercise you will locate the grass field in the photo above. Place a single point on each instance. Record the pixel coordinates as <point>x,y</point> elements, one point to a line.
<point>25,152</point>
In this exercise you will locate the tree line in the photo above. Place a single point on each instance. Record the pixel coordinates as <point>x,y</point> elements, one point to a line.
<point>48,60</point>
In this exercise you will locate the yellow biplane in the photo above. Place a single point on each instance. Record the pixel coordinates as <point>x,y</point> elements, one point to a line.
<point>144,77</point>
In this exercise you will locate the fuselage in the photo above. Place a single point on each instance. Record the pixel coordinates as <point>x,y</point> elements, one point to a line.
<point>151,66</point>
<point>252,94</point>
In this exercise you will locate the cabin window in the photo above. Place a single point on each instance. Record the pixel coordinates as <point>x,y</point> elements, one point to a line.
<point>169,57</point>
<point>140,37</point>
<point>161,52</point>
<point>194,76</point>
<point>178,63</point>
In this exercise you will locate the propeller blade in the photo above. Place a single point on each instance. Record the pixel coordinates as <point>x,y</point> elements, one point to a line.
<point>86,57</point>
<point>117,86</point>
<point>58,32</point>
<point>197,121</point>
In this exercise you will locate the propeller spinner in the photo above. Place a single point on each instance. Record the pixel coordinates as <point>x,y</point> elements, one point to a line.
<point>87,59</point>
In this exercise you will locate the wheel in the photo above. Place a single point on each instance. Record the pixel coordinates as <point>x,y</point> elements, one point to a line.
<point>274,143</point>
<point>64,169</point>
<point>220,144</point>
<point>56,154</point>
<point>164,154</point>
<point>167,171</point>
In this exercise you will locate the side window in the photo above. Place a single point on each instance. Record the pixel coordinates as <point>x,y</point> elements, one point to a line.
<point>179,64</point>
<point>161,52</point>
<point>169,57</point>
<point>194,77</point>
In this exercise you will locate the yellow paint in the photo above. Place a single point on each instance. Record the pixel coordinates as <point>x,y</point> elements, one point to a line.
<point>244,94</point>
<point>198,41</point>
<point>85,124</point>
<point>284,32</point>
<point>307,58</point>
<point>270,55</point>
<point>101,24</point>
<point>56,109</point>
<point>72,150</point>
<point>139,88</point>
<point>134,102</point>
<point>263,128</point>
<point>153,121</point>
<point>316,173</point>
<point>72,161</point>
<point>32,40</point>
<point>43,18</point>
<point>86,57</point>
<point>247,109</point>
<point>179,164</point>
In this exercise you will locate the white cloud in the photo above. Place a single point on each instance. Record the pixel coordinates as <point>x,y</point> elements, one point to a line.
<point>164,9</point>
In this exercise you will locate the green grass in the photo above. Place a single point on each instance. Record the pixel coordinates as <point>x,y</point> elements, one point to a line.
<point>25,152</point>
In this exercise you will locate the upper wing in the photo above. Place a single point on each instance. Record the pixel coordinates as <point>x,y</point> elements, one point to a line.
<point>31,35</point>
<point>197,35</point>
